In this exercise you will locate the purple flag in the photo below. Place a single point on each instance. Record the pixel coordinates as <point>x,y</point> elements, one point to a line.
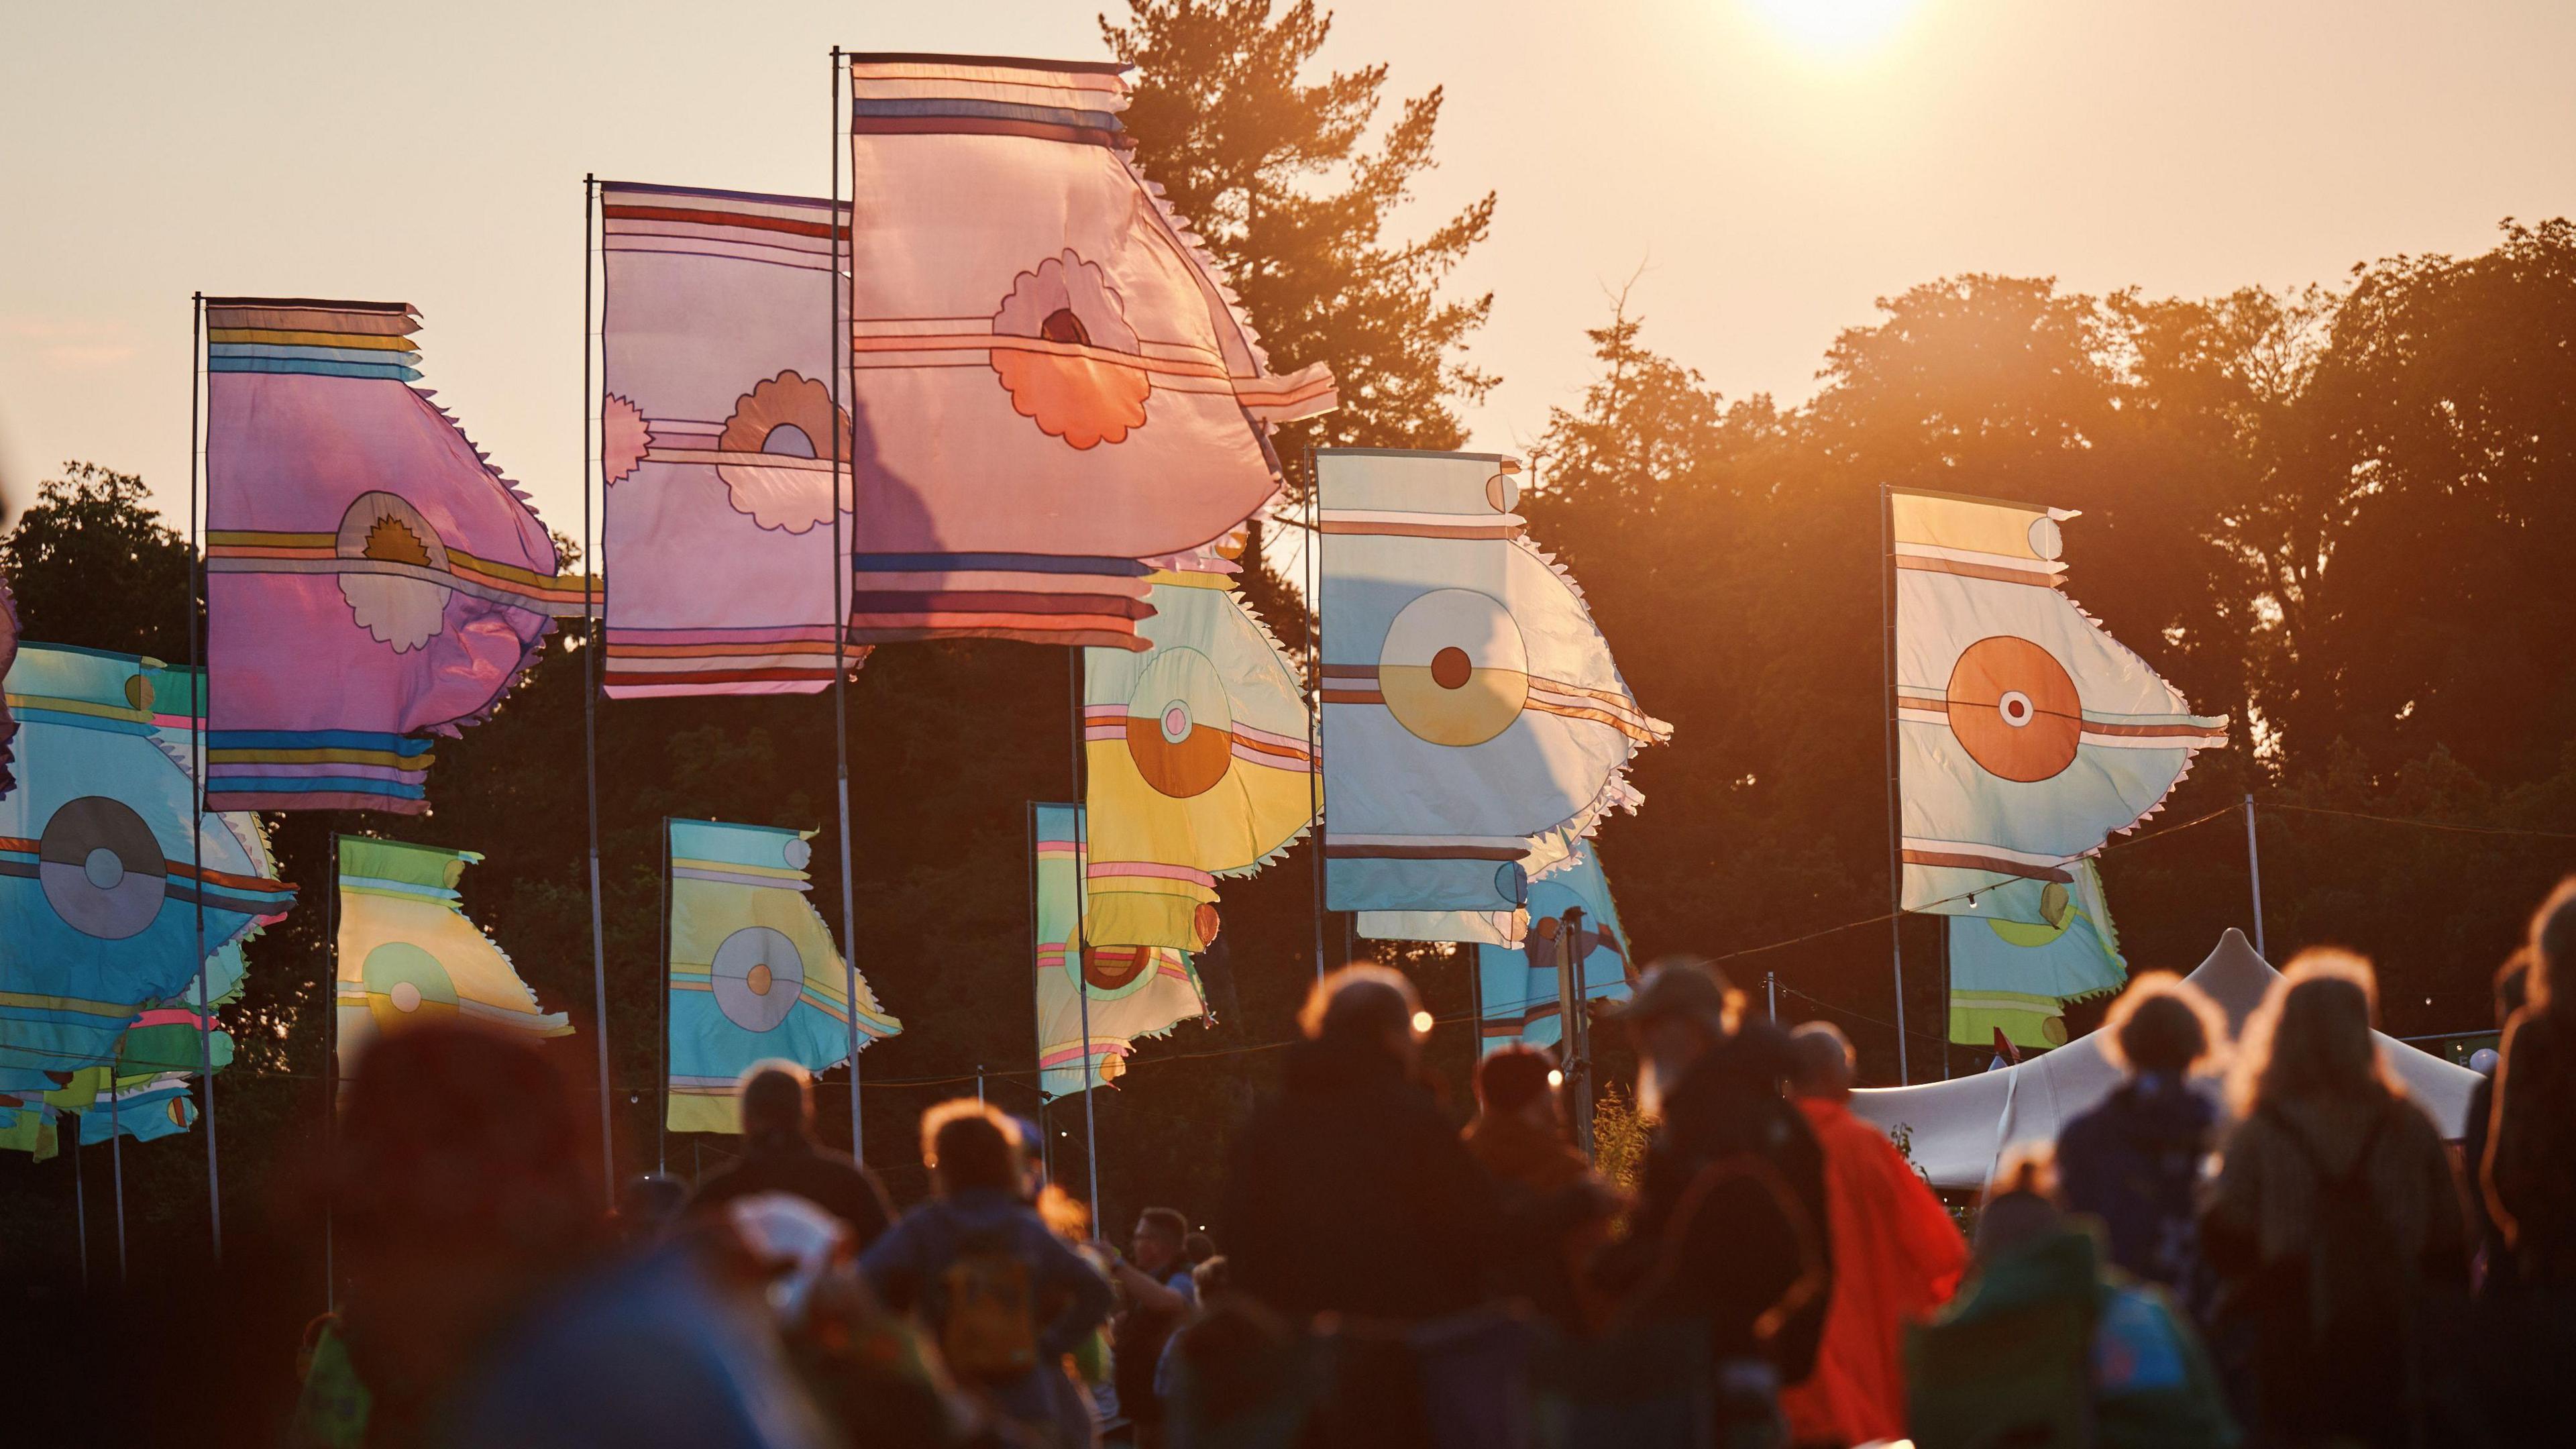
<point>372,580</point>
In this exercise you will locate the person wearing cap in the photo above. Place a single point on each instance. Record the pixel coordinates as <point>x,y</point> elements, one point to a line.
<point>1897,1256</point>
<point>1729,1231</point>
<point>1350,1193</point>
<point>1519,1138</point>
<point>779,1154</point>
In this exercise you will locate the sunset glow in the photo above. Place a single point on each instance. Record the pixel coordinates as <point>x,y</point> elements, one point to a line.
<point>1833,27</point>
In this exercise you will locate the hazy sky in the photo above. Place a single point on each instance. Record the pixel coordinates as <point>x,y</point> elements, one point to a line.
<point>1773,164</point>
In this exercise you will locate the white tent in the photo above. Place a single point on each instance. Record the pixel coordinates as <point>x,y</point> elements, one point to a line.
<point>1956,1130</point>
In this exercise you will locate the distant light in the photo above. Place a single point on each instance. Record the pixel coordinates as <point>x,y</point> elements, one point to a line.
<point>1834,27</point>
<point>1422,1023</point>
<point>1555,1079</point>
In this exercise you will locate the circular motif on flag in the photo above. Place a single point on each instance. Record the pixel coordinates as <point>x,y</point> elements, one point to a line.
<point>1503,491</point>
<point>1205,923</point>
<point>1180,731</point>
<point>758,974</point>
<point>624,439</point>
<point>394,607</point>
<point>789,418</point>
<point>798,853</point>
<point>101,868</point>
<point>405,984</point>
<point>2046,538</point>
<point>1511,882</point>
<point>177,1107</point>
<point>1115,968</point>
<point>1076,375</point>
<point>2014,708</point>
<point>1453,670</point>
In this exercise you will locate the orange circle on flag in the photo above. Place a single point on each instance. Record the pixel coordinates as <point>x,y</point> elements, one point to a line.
<point>1107,968</point>
<point>1205,923</point>
<point>2015,708</point>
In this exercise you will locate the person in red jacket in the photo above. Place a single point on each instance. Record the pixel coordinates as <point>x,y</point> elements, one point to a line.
<point>1897,1257</point>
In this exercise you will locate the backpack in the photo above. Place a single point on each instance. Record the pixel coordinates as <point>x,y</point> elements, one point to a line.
<point>988,1332</point>
<point>2358,1280</point>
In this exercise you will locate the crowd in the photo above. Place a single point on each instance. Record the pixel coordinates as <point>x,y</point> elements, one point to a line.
<point>2251,1241</point>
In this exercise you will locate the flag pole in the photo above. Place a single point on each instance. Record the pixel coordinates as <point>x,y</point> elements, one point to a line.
<point>1314,571</point>
<point>1046,1144</point>
<point>80,1199</point>
<point>662,1124</point>
<point>331,1074</point>
<point>116,1158</point>
<point>833,352</point>
<point>1895,814</point>
<point>1082,927</point>
<point>590,577</point>
<point>200,710</point>
<point>2254,870</point>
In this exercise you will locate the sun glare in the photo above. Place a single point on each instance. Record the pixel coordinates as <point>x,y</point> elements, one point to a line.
<point>1833,27</point>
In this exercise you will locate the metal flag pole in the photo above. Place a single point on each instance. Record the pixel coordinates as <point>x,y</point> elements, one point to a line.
<point>1082,927</point>
<point>1046,1140</point>
<point>590,577</point>
<point>1895,815</point>
<point>2254,870</point>
<point>1314,571</point>
<point>116,1159</point>
<point>841,584</point>
<point>80,1199</point>
<point>331,1074</point>
<point>199,711</point>
<point>1771,994</point>
<point>662,1123</point>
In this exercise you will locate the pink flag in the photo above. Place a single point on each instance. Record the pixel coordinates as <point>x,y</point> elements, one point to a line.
<point>372,579</point>
<point>1050,379</point>
<point>719,431</point>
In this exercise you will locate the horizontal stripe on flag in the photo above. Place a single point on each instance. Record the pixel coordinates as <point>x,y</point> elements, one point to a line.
<point>974,125</point>
<point>728,877</point>
<point>408,745</point>
<point>1069,636</point>
<point>301,785</point>
<point>298,314</point>
<point>1106,869</point>
<point>1461,851</point>
<point>882,107</point>
<point>312,367</point>
<point>1971,859</point>
<point>771,634</point>
<point>618,216</point>
<point>866,340</point>
<point>884,602</point>
<point>1989,572</point>
<point>247,799</point>
<point>1029,563</point>
<point>725,250</point>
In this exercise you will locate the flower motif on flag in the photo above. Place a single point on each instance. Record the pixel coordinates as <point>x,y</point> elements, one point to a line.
<point>624,439</point>
<point>1073,369</point>
<point>391,601</point>
<point>788,422</point>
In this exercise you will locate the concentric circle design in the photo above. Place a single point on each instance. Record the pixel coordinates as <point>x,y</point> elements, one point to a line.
<point>394,607</point>
<point>1180,728</point>
<point>758,974</point>
<point>792,418</point>
<point>1454,670</point>
<point>101,868</point>
<point>1115,968</point>
<point>2015,708</point>
<point>405,984</point>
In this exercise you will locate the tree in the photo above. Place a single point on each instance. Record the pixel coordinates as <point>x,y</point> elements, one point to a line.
<point>92,565</point>
<point>1274,174</point>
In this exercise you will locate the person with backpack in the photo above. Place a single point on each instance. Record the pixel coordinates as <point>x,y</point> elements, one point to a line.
<point>2334,1223</point>
<point>975,1263</point>
<point>779,1154</point>
<point>1729,1238</point>
<point>2134,1160</point>
<point>2528,1177</point>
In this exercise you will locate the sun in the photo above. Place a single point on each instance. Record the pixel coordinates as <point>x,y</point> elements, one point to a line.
<point>1836,27</point>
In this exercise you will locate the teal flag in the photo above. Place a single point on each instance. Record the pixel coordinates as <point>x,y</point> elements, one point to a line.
<point>2031,950</point>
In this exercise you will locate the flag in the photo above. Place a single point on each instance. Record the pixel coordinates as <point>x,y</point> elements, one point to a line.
<point>8,656</point>
<point>27,1125</point>
<point>1519,988</point>
<point>372,579</point>
<point>753,973</point>
<point>2026,734</point>
<point>100,884</point>
<point>1549,852</point>
<point>1052,380</point>
<point>151,1108</point>
<point>1469,702</point>
<point>1132,991</point>
<point>2032,949</point>
<point>719,425</point>
<point>1199,761</point>
<point>407,952</point>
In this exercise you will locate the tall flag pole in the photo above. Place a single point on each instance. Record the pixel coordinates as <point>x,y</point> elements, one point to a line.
<point>1081,943</point>
<point>197,787</point>
<point>1895,789</point>
<point>590,577</point>
<point>2254,873</point>
<point>837,339</point>
<point>1314,571</point>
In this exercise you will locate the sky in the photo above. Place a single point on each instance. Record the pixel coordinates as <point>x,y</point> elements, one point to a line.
<point>1763,169</point>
